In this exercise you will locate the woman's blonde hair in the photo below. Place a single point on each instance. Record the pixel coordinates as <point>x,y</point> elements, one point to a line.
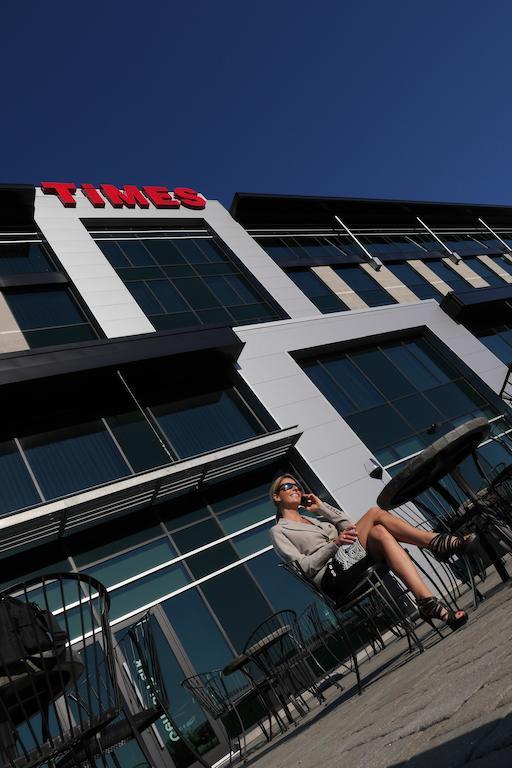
<point>273,491</point>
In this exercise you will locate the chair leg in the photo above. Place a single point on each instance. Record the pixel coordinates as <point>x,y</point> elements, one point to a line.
<point>402,619</point>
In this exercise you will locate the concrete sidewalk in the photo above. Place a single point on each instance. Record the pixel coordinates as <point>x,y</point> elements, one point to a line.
<point>450,706</point>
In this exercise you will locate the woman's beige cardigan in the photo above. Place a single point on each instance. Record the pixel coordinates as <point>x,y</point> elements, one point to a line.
<point>311,545</point>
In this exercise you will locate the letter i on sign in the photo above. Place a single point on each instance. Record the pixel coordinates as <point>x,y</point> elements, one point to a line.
<point>93,195</point>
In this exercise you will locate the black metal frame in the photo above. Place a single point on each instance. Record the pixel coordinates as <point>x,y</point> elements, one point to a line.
<point>69,680</point>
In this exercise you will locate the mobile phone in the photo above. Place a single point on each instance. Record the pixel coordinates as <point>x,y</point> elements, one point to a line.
<point>305,501</point>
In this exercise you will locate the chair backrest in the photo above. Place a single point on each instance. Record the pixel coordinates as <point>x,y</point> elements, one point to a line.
<point>278,637</point>
<point>142,664</point>
<point>150,699</point>
<point>209,691</point>
<point>293,568</point>
<point>65,655</point>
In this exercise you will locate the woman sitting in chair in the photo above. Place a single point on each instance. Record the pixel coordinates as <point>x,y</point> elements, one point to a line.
<point>335,554</point>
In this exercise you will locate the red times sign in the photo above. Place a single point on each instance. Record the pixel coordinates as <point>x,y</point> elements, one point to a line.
<point>128,196</point>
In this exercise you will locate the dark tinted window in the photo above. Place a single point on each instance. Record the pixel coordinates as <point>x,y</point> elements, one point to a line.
<point>484,271</point>
<point>365,286</point>
<point>316,290</point>
<point>49,316</point>
<point>413,280</point>
<point>448,275</point>
<point>181,282</point>
<point>399,397</point>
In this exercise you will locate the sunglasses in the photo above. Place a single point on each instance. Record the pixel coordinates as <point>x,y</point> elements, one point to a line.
<point>288,487</point>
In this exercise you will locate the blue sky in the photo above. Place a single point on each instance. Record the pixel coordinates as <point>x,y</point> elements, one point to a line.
<point>397,99</point>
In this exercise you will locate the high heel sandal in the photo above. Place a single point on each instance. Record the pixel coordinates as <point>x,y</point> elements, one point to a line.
<point>444,545</point>
<point>431,608</point>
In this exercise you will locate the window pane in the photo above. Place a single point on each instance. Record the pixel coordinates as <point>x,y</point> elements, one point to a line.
<point>168,296</point>
<point>419,412</point>
<point>190,250</point>
<point>223,291</point>
<point>164,251</point>
<point>192,622</point>
<point>329,388</point>
<point>413,280</point>
<point>365,286</point>
<point>210,560</point>
<point>70,334</point>
<point>382,372</point>
<point>276,249</point>
<point>113,253</point>
<point>484,271</point>
<point>145,298</point>
<point>186,712</point>
<point>253,541</point>
<point>196,292</point>
<point>316,290</point>
<point>417,371</point>
<point>138,441</point>
<point>200,424</point>
<point>213,251</point>
<point>426,396</point>
<point>68,460</point>
<point>18,490</point>
<point>130,564</point>
<point>353,382</point>
<point>136,253</point>
<point>43,309</point>
<point>448,275</point>
<point>23,258</point>
<point>238,604</point>
<point>246,514</point>
<point>151,588</point>
<point>283,591</point>
<point>196,283</point>
<point>378,427</point>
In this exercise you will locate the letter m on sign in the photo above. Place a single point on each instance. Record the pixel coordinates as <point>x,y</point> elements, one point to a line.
<point>128,196</point>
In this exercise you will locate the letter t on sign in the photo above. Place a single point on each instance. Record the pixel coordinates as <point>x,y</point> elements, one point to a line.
<point>63,189</point>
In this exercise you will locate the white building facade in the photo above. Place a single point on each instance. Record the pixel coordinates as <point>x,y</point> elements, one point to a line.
<point>162,359</point>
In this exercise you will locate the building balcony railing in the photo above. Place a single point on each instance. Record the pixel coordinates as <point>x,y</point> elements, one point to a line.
<point>69,514</point>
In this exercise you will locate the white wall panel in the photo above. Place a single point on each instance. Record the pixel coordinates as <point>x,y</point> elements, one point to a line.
<point>85,263</point>
<point>328,444</point>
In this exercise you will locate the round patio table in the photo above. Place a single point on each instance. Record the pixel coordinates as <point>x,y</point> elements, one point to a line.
<point>432,464</point>
<point>443,457</point>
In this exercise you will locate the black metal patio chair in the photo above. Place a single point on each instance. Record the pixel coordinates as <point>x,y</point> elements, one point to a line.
<point>373,603</point>
<point>236,705</point>
<point>327,638</point>
<point>146,700</point>
<point>58,686</point>
<point>278,648</point>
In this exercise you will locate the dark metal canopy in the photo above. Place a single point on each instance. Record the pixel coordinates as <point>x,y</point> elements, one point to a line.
<point>479,304</point>
<point>111,353</point>
<point>17,205</point>
<point>256,210</point>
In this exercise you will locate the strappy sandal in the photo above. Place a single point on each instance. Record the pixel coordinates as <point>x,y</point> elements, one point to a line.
<point>431,608</point>
<point>444,545</point>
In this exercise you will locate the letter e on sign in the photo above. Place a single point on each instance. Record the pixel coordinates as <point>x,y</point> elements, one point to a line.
<point>161,197</point>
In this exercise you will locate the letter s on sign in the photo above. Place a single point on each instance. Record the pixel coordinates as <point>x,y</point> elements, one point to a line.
<point>189,198</point>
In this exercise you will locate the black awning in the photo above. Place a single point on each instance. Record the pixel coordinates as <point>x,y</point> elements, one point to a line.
<point>36,364</point>
<point>480,304</point>
<point>17,205</point>
<point>268,211</point>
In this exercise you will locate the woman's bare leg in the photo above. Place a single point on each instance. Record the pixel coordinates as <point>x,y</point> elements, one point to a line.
<point>398,528</point>
<point>382,545</point>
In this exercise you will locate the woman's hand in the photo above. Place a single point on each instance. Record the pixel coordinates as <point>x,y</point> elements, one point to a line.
<point>313,503</point>
<point>348,536</point>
